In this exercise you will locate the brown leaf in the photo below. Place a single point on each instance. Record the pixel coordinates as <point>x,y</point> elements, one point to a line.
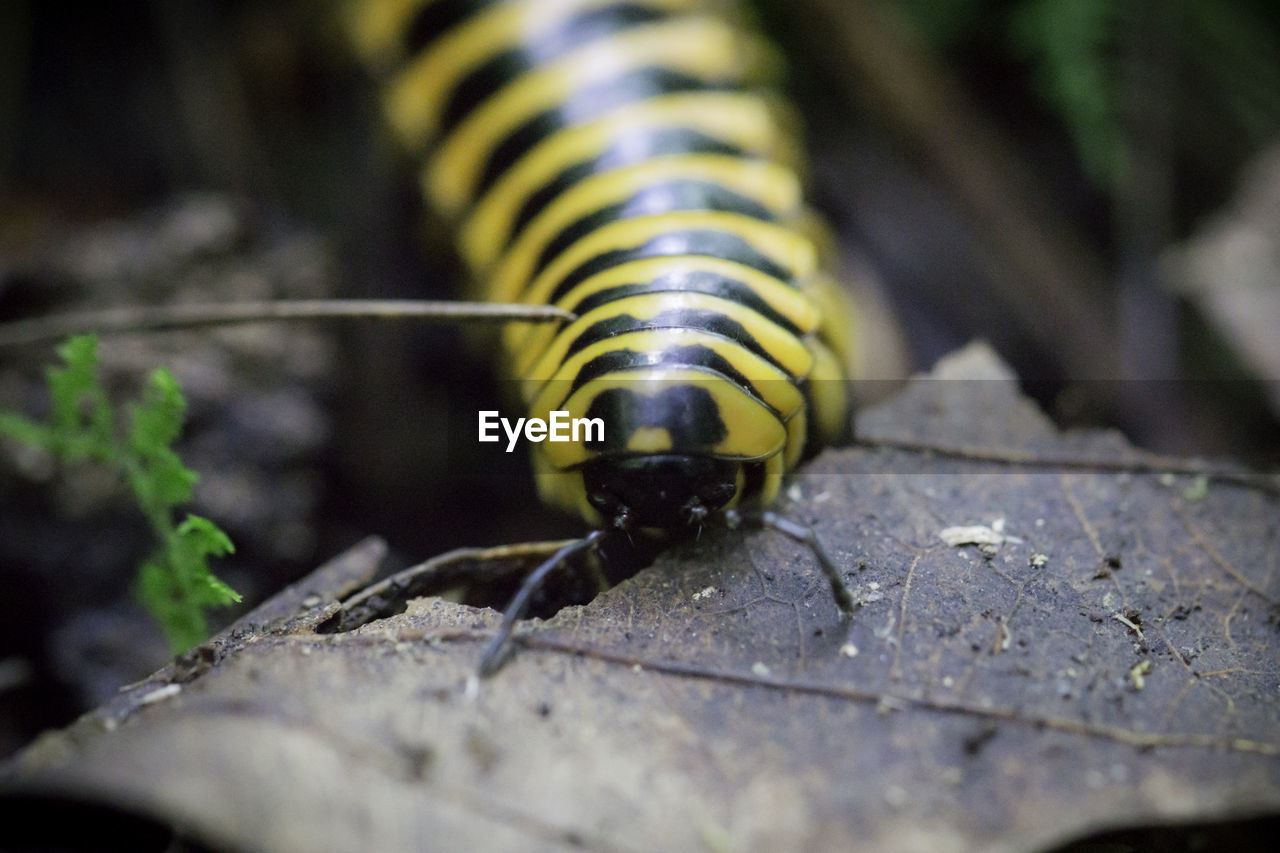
<point>977,699</point>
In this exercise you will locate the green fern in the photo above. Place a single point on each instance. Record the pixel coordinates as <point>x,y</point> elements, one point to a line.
<point>174,584</point>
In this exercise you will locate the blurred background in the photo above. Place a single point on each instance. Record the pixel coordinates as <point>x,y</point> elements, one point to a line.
<point>1092,186</point>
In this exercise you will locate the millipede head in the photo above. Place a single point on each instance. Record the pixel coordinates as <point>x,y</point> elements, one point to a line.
<point>665,491</point>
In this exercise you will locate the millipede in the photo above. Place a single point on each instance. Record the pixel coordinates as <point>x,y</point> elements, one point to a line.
<point>630,162</point>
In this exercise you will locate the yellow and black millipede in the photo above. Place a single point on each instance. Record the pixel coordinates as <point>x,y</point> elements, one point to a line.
<point>629,161</point>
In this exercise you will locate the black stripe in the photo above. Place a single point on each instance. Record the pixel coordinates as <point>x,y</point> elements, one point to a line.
<point>433,20</point>
<point>688,413</point>
<point>583,106</point>
<point>712,322</point>
<point>634,149</point>
<point>716,244</point>
<point>685,356</point>
<point>660,198</point>
<point>752,479</point>
<point>492,75</point>
<point>686,281</point>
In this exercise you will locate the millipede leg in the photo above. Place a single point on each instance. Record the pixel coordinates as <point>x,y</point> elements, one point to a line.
<point>495,653</point>
<point>804,535</point>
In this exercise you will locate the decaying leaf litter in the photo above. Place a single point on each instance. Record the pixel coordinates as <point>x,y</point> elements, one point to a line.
<point>1111,660</point>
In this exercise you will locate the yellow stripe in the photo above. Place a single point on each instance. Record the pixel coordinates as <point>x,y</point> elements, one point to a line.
<point>783,347</point>
<point>781,245</point>
<point>786,300</point>
<point>772,186</point>
<point>775,469</point>
<point>651,440</point>
<point>549,382</point>
<point>828,392</point>
<point>797,434</point>
<point>785,248</point>
<point>376,27</point>
<point>417,96</point>
<point>737,118</point>
<point>703,47</point>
